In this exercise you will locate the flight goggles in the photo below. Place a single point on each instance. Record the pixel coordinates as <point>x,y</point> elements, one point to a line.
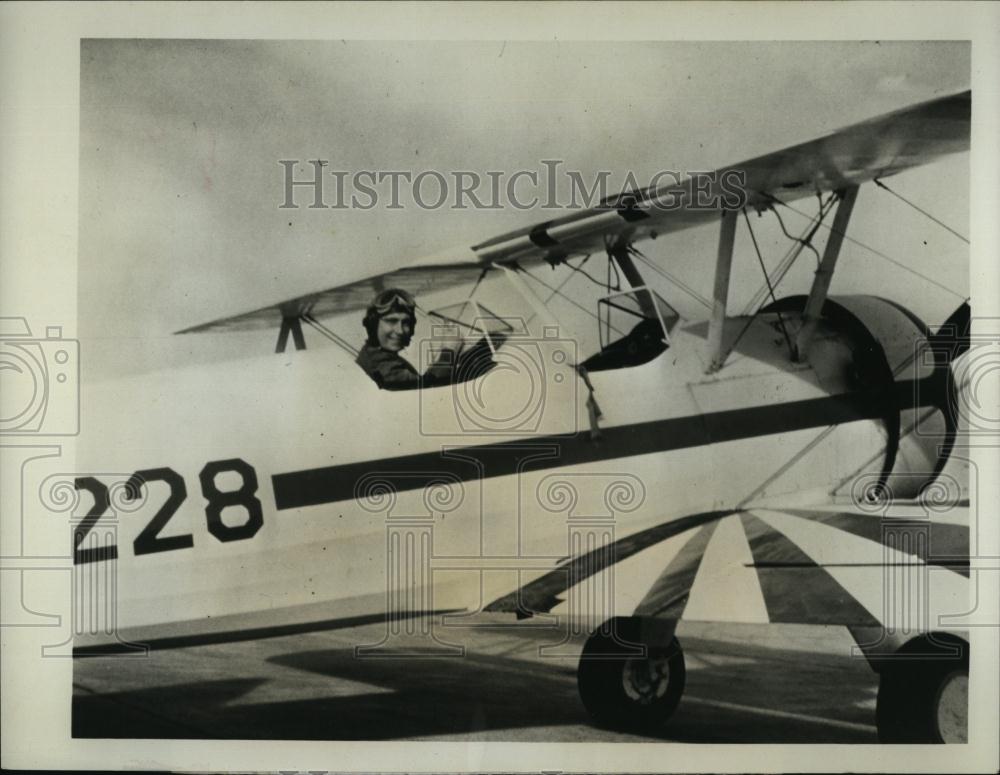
<point>393,298</point>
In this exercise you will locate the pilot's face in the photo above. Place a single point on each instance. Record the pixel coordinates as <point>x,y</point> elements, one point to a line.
<point>394,331</point>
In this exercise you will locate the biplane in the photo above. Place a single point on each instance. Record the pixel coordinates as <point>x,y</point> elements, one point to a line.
<point>760,465</point>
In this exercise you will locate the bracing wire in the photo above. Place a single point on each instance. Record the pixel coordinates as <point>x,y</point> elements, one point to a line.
<point>785,265</point>
<point>558,288</point>
<point>557,292</point>
<point>618,278</point>
<point>770,288</point>
<point>479,280</point>
<point>943,225</point>
<point>579,268</point>
<point>876,252</point>
<point>674,280</point>
<point>806,241</point>
<point>612,264</point>
<point>333,337</point>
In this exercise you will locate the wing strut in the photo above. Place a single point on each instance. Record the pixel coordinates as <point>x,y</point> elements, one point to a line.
<point>723,263</point>
<point>624,260</point>
<point>293,326</point>
<point>824,273</point>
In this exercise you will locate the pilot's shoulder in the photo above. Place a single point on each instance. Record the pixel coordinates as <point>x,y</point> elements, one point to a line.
<point>370,356</point>
<point>373,358</point>
<point>363,355</point>
<point>369,361</point>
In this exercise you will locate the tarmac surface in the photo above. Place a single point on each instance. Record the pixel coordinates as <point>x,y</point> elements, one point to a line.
<point>745,684</point>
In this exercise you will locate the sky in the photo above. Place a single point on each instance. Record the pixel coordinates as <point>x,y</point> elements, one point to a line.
<point>180,181</point>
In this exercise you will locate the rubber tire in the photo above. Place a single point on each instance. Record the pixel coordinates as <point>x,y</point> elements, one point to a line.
<point>908,693</point>
<point>600,681</point>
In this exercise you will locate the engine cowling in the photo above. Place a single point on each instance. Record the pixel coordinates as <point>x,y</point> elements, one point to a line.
<point>895,359</point>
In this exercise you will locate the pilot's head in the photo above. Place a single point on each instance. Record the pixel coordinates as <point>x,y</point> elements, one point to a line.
<point>391,319</point>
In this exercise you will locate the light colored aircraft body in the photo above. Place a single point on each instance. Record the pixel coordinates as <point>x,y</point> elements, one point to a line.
<point>281,482</point>
<point>677,440</point>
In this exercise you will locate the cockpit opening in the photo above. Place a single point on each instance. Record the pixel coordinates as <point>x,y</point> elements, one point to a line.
<point>634,328</point>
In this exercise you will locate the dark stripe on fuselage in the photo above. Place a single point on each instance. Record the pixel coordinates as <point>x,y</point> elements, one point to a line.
<point>330,484</point>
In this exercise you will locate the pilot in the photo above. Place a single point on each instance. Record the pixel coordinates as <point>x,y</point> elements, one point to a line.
<point>390,321</point>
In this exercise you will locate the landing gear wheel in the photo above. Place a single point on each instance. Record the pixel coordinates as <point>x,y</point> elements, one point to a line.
<point>924,701</point>
<point>625,690</point>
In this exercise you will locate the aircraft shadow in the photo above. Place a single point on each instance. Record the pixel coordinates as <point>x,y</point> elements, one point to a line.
<point>736,694</point>
<point>187,710</point>
<point>772,697</point>
<point>437,696</point>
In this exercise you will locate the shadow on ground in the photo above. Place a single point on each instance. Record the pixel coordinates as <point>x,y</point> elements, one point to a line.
<point>735,693</point>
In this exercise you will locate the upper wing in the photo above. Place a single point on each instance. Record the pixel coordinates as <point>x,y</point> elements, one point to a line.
<point>418,279</point>
<point>876,148</point>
